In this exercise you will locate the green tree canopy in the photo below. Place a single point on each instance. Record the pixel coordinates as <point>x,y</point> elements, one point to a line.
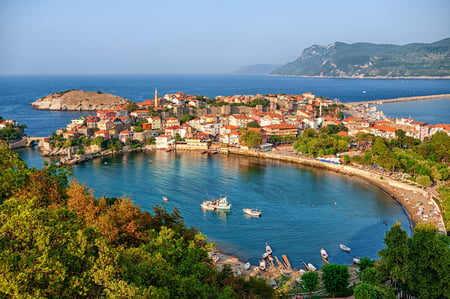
<point>335,278</point>
<point>251,138</point>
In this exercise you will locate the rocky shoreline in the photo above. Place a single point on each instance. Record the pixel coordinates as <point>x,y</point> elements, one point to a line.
<point>79,100</point>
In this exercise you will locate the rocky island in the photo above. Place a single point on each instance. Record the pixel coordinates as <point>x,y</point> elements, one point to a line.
<point>79,100</point>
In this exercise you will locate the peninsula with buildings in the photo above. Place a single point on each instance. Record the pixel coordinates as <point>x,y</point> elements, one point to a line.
<point>352,138</point>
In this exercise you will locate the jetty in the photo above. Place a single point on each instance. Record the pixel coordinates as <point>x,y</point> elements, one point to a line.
<point>404,99</point>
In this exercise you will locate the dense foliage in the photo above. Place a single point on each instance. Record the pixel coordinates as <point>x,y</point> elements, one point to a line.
<point>418,265</point>
<point>251,138</point>
<point>324,142</point>
<point>58,240</point>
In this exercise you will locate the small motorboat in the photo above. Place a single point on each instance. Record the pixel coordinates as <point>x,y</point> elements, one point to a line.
<point>165,198</point>
<point>262,265</point>
<point>265,255</point>
<point>356,260</point>
<point>251,212</point>
<point>208,205</point>
<point>268,249</point>
<point>323,253</point>
<point>311,267</point>
<point>345,248</point>
<point>247,266</point>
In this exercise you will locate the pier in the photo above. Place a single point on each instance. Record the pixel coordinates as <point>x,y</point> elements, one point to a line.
<point>405,99</point>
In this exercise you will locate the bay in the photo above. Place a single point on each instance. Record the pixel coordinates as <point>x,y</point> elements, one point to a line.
<point>303,209</point>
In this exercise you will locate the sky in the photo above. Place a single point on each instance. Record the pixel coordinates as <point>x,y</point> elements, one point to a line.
<point>190,37</point>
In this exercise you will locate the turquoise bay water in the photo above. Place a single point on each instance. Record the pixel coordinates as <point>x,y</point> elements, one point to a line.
<point>303,209</point>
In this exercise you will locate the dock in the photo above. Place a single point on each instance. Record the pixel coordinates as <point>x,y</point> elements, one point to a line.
<point>286,262</point>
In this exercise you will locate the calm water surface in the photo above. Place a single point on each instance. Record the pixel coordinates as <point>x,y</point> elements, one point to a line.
<point>435,111</point>
<point>304,209</point>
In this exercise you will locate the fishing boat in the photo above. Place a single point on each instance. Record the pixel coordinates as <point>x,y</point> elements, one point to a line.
<point>268,249</point>
<point>222,203</point>
<point>208,205</point>
<point>251,212</point>
<point>323,253</point>
<point>262,265</point>
<point>165,198</point>
<point>345,248</point>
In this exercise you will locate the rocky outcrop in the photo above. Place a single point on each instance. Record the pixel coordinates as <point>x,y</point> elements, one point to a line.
<point>79,100</point>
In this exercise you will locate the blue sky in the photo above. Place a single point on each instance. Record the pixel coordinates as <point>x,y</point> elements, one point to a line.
<point>174,36</point>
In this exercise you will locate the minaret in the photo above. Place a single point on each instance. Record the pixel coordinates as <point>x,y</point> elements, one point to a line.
<point>156,98</point>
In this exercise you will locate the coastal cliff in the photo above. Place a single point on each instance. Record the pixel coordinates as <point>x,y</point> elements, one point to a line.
<point>78,100</point>
<point>366,60</point>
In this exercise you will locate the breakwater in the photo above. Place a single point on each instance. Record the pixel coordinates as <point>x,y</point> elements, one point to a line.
<point>403,99</point>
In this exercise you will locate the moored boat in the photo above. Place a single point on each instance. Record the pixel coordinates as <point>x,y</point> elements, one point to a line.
<point>345,248</point>
<point>165,198</point>
<point>262,265</point>
<point>247,266</point>
<point>222,203</point>
<point>311,267</point>
<point>323,253</point>
<point>356,260</point>
<point>268,249</point>
<point>208,205</point>
<point>251,212</point>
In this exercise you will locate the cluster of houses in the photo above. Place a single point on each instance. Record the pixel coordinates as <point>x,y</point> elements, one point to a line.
<point>388,128</point>
<point>287,115</point>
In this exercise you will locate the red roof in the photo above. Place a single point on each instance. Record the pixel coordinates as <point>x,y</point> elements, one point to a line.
<point>385,128</point>
<point>281,126</point>
<point>342,133</point>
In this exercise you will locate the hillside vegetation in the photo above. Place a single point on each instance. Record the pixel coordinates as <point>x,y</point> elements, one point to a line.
<point>59,241</point>
<point>365,60</point>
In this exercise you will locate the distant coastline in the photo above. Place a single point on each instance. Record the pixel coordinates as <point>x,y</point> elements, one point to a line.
<point>356,77</point>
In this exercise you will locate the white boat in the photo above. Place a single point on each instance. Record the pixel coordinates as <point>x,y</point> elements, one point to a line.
<point>268,249</point>
<point>208,205</point>
<point>311,267</point>
<point>356,260</point>
<point>251,212</point>
<point>247,266</point>
<point>262,265</point>
<point>345,248</point>
<point>265,255</point>
<point>323,253</point>
<point>165,198</point>
<point>222,204</point>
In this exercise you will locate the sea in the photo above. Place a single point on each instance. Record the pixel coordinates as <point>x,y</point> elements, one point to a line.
<point>303,209</point>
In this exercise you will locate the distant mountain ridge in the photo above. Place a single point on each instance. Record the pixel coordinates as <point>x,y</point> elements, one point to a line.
<point>257,69</point>
<point>367,60</point>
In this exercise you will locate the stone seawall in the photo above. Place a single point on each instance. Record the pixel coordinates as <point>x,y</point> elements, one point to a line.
<point>405,99</point>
